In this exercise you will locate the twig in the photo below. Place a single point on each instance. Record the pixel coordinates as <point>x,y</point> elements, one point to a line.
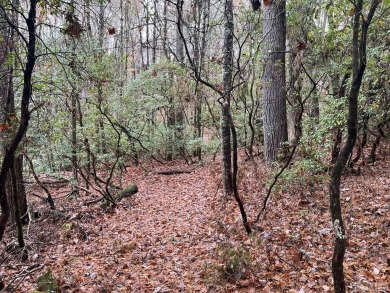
<point>49,198</point>
<point>285,261</point>
<point>94,201</point>
<point>23,274</point>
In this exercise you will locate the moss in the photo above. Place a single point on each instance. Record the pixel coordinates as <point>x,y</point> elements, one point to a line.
<point>126,192</point>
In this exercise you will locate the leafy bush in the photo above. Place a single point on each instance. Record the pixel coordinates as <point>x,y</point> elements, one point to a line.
<point>305,174</point>
<point>234,265</point>
<point>46,283</point>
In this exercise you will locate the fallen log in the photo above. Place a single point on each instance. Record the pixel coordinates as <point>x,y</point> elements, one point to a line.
<point>173,172</point>
<point>124,193</point>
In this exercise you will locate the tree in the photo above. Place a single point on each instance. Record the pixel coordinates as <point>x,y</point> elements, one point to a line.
<point>274,78</point>
<point>227,85</point>
<point>15,188</point>
<point>21,125</point>
<point>361,23</point>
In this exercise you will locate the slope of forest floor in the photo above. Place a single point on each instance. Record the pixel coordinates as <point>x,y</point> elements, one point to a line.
<point>178,234</point>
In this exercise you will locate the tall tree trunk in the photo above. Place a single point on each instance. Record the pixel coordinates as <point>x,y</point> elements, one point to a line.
<point>274,78</point>
<point>147,44</point>
<point>154,33</point>
<point>197,14</point>
<point>165,30</point>
<point>74,96</point>
<point>359,41</point>
<point>295,98</point>
<point>175,118</point>
<point>4,84</point>
<point>22,124</point>
<point>228,84</point>
<point>7,109</point>
<point>73,139</point>
<point>102,136</point>
<point>179,109</point>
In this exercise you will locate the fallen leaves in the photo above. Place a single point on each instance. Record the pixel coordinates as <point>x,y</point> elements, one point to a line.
<point>168,239</point>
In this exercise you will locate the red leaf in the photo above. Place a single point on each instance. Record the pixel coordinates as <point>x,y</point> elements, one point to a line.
<point>4,126</point>
<point>301,46</point>
<point>111,31</point>
<point>267,2</point>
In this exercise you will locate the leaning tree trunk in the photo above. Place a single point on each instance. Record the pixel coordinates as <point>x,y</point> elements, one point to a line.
<point>16,197</point>
<point>22,124</point>
<point>274,78</point>
<point>360,28</point>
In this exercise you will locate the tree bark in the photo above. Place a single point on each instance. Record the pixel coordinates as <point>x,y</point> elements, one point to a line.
<point>295,95</point>
<point>228,83</point>
<point>22,125</point>
<point>359,42</point>
<point>16,206</point>
<point>337,133</point>
<point>179,107</point>
<point>274,78</point>
<point>4,84</point>
<point>7,114</point>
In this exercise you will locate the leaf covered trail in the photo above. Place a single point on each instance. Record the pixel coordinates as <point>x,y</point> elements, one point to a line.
<point>158,241</point>
<point>178,235</point>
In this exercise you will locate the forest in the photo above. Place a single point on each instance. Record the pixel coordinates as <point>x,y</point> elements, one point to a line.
<point>194,146</point>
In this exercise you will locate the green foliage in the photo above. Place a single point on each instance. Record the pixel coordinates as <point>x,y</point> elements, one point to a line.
<point>148,102</point>
<point>110,83</point>
<point>234,264</point>
<point>303,213</point>
<point>46,283</point>
<point>306,174</point>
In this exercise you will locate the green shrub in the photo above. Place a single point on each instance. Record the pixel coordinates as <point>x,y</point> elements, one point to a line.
<point>46,283</point>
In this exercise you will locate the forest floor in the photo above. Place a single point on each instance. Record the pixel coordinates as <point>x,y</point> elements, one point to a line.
<point>179,234</point>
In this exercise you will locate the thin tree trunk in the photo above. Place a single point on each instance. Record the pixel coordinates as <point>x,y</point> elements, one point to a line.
<point>165,30</point>
<point>154,34</point>
<point>197,11</point>
<point>102,135</point>
<point>179,109</point>
<point>15,204</point>
<point>74,135</point>
<point>234,176</point>
<point>359,41</point>
<point>295,98</point>
<point>146,6</point>
<point>73,112</point>
<point>337,133</point>
<point>170,128</point>
<point>228,84</point>
<point>21,192</point>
